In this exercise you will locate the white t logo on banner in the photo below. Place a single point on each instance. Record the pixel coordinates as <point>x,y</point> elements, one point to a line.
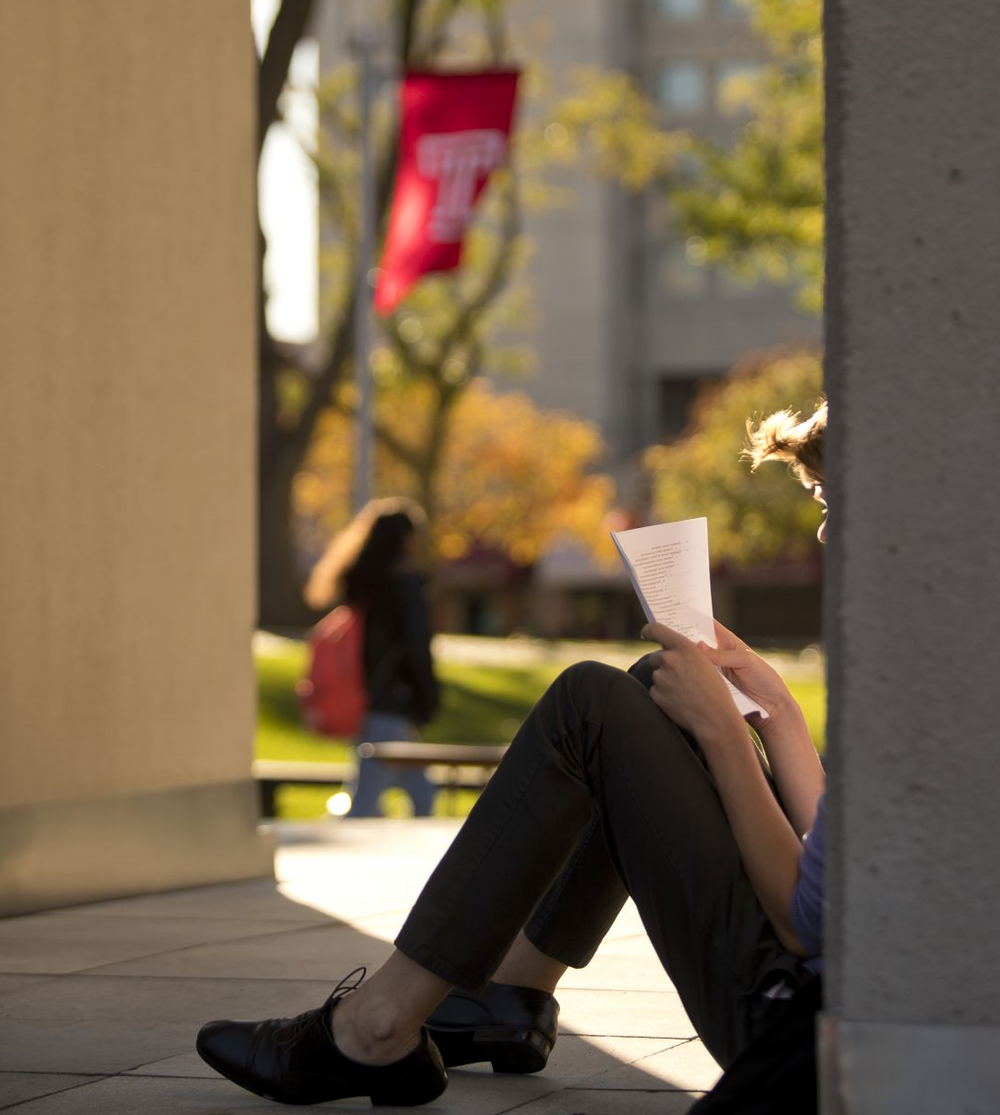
<point>458,160</point>
<point>453,134</point>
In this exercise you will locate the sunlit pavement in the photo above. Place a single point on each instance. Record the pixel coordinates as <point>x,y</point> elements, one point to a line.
<point>99,1004</point>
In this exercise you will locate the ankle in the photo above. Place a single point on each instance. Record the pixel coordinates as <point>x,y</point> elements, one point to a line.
<point>371,1034</point>
<point>526,966</point>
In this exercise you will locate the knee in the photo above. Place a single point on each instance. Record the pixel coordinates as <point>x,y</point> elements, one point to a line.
<point>607,694</point>
<point>588,675</point>
<point>596,683</point>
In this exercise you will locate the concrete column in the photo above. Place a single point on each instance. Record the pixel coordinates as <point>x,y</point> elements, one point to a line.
<point>127,355</point>
<point>912,1021</point>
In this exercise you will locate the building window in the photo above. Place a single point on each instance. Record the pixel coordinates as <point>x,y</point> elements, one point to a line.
<point>676,394</point>
<point>682,86</point>
<point>681,11</point>
<point>731,9</point>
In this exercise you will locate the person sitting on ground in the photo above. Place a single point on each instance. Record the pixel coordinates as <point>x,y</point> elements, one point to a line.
<point>644,783</point>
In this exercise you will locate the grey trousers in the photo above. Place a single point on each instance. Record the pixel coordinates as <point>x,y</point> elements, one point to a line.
<point>600,796</point>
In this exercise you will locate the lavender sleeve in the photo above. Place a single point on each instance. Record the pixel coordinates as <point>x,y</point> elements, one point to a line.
<point>807,899</point>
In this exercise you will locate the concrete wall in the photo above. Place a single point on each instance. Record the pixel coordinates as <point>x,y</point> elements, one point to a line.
<point>913,326</point>
<point>126,447</point>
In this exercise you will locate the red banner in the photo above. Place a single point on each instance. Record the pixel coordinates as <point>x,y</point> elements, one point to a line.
<point>453,133</point>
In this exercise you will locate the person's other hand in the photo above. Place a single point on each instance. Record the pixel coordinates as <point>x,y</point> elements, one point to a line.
<point>686,685</point>
<point>748,672</point>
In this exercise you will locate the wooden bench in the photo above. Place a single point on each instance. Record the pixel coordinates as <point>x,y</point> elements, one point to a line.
<point>450,765</point>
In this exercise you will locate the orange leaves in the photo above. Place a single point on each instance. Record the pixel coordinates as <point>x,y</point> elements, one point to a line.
<point>497,473</point>
<point>516,478</point>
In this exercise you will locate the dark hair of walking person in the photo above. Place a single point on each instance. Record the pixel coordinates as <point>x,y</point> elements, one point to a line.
<point>354,566</point>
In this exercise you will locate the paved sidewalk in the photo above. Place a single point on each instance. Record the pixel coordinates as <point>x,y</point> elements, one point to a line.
<point>99,1004</point>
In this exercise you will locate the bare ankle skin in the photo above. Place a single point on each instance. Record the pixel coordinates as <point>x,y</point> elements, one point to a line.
<point>368,1037</point>
<point>526,966</point>
<point>380,1022</point>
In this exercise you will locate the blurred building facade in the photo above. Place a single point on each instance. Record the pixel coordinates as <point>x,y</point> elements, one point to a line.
<point>630,323</point>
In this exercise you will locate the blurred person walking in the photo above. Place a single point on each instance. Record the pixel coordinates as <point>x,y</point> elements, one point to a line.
<point>373,566</point>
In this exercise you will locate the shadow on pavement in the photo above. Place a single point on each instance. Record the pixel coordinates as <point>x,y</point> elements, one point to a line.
<point>100,1004</point>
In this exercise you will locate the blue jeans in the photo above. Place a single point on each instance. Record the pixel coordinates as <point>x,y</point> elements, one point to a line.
<point>374,777</point>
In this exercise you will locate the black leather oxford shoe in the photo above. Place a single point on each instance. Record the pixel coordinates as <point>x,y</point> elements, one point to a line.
<point>295,1060</point>
<point>514,1028</point>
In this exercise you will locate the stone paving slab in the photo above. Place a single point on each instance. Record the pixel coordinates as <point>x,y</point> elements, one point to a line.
<point>183,1065</point>
<point>320,953</point>
<point>12,984</point>
<point>17,1087</point>
<point>466,1095</point>
<point>110,1024</point>
<point>99,1005</point>
<point>69,942</point>
<point>579,1101</point>
<point>254,899</point>
<point>599,1012</point>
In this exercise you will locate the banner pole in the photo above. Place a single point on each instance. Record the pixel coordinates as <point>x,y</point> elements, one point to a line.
<point>363,45</point>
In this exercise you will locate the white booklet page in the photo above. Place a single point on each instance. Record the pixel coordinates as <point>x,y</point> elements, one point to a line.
<point>669,569</point>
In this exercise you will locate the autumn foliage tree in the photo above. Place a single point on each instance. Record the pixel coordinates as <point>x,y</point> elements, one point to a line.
<point>754,206</point>
<point>513,477</point>
<point>757,206</point>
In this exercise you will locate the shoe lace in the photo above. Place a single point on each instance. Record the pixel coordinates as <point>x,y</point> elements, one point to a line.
<point>297,1026</point>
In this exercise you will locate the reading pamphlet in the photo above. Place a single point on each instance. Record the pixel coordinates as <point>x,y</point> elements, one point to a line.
<point>669,569</point>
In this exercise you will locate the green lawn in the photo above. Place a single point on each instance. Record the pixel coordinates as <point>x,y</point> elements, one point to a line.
<point>480,704</point>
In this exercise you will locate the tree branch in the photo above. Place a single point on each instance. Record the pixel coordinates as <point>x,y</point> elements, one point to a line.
<point>498,272</point>
<point>343,341</point>
<point>289,26</point>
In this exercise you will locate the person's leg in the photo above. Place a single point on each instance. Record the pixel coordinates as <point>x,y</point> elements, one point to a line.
<point>420,788</point>
<point>372,779</point>
<point>413,780</point>
<point>363,1043</point>
<point>570,922</point>
<point>383,1024</point>
<point>525,965</point>
<point>575,915</point>
<point>514,1022</point>
<point>577,911</point>
<point>595,737</point>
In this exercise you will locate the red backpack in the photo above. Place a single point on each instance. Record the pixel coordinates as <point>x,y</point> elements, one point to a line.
<point>334,696</point>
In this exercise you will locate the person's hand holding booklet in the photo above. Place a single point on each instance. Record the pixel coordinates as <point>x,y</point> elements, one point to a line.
<point>669,569</point>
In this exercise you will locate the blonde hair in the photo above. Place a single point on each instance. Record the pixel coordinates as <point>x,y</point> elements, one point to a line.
<point>784,437</point>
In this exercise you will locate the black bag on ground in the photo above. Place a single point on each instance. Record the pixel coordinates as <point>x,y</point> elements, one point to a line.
<point>776,1073</point>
